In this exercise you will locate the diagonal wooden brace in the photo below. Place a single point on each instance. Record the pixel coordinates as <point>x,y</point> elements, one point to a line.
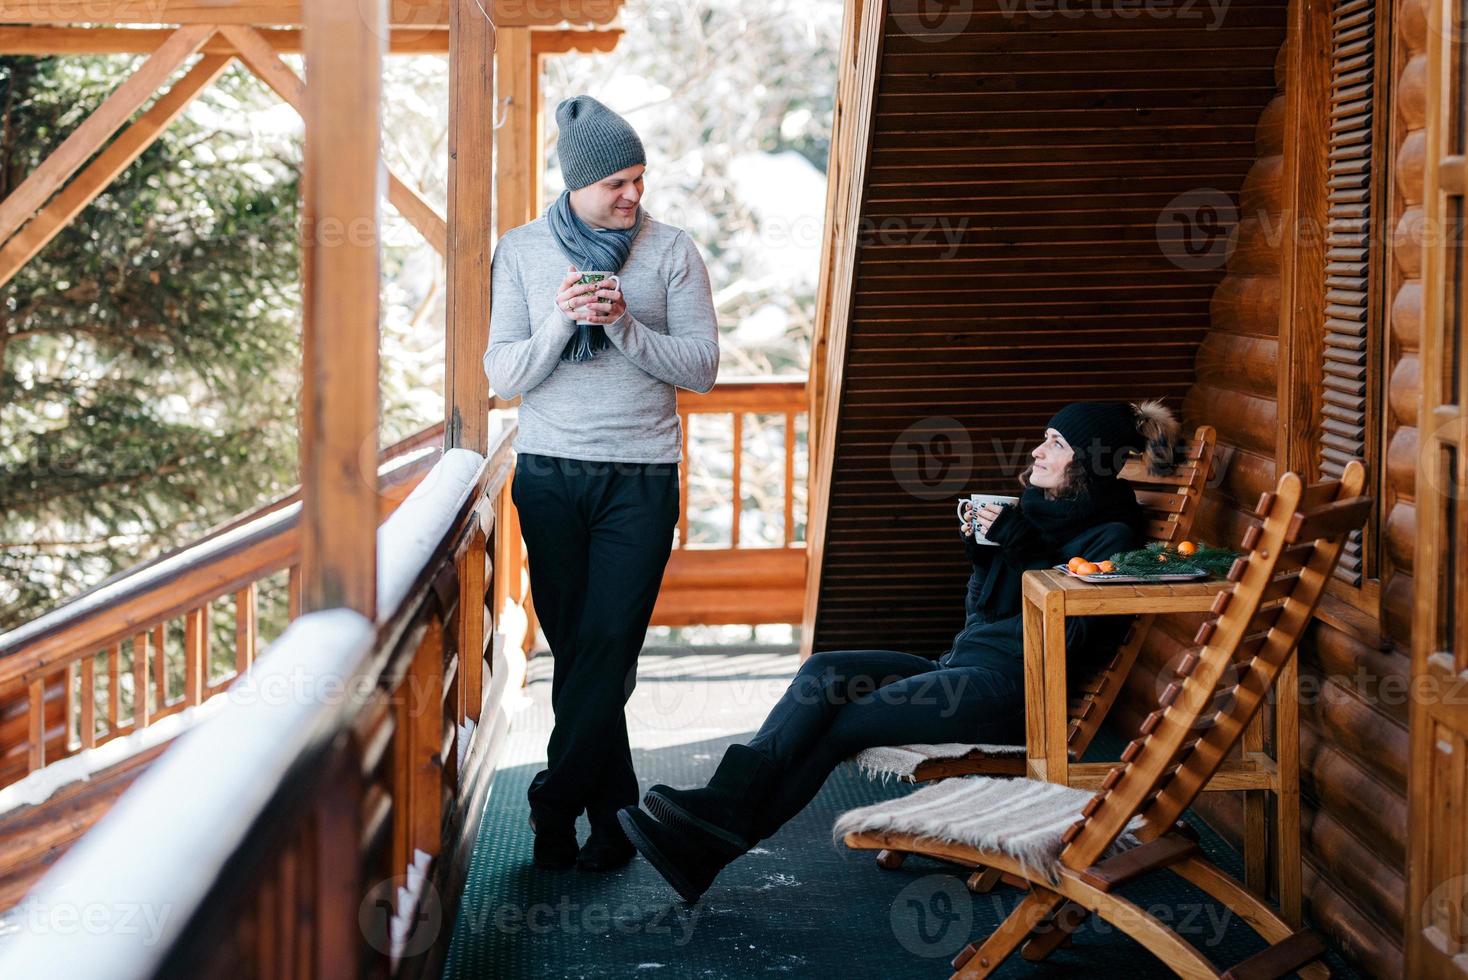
<point>261,58</point>
<point>83,190</point>
<point>97,128</point>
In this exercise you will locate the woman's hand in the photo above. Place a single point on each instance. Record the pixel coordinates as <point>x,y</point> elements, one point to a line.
<point>985,517</point>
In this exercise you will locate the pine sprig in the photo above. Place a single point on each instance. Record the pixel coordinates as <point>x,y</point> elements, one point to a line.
<point>1160,559</point>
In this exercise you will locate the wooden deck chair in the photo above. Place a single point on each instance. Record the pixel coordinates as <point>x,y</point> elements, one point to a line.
<point>1073,848</point>
<point>1171,502</point>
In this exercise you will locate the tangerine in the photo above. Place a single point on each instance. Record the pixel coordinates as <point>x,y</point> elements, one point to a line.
<point>1106,566</point>
<point>1074,562</point>
<point>1186,548</point>
<point>1086,568</point>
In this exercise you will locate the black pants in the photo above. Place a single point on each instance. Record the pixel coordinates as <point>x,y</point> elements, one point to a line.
<point>597,538</point>
<point>842,702</point>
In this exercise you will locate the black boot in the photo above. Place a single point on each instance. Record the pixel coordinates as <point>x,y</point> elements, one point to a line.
<point>555,843</point>
<point>682,857</point>
<point>726,808</point>
<point>607,849</point>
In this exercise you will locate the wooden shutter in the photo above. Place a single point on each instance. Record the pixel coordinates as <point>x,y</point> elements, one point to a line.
<point>1344,395</point>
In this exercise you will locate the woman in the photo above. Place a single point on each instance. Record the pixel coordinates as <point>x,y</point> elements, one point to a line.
<point>1073,503</point>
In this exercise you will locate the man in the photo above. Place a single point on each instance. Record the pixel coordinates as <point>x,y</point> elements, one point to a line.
<point>596,476</point>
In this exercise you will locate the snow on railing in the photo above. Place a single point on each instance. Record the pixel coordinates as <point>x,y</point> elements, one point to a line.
<point>117,902</point>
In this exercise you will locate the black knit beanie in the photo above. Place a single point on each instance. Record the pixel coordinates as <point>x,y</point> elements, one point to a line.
<point>1103,435</point>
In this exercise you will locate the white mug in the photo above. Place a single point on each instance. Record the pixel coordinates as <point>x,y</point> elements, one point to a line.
<point>977,500</point>
<point>605,278</point>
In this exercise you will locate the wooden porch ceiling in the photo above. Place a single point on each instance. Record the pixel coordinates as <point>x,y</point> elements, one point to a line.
<point>418,14</point>
<point>41,41</point>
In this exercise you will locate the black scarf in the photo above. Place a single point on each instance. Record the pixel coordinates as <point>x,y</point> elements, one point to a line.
<point>1036,535</point>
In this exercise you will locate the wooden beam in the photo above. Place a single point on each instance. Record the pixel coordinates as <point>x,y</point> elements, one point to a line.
<point>838,191</point>
<point>261,58</point>
<point>98,127</point>
<point>419,213</point>
<point>470,224</point>
<point>1302,253</point>
<point>73,198</point>
<point>568,41</point>
<point>422,15</point>
<point>516,79</point>
<point>46,41</point>
<point>343,111</point>
<point>861,52</point>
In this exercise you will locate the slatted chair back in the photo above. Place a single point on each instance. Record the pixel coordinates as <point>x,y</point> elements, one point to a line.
<point>1171,502</point>
<point>1221,686</point>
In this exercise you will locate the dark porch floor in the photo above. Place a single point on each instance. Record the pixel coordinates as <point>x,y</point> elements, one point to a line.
<point>797,905</point>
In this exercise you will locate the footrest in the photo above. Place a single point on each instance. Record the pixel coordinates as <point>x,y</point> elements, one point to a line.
<point>1281,959</point>
<point>1139,860</point>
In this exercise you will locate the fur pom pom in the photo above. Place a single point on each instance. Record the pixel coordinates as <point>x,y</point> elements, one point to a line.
<point>1160,428</point>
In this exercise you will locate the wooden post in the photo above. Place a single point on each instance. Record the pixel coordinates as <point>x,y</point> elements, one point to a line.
<point>337,887</point>
<point>470,216</point>
<point>344,49</point>
<point>1302,251</point>
<point>516,77</point>
<point>141,708</point>
<point>196,654</point>
<point>246,627</point>
<point>471,627</point>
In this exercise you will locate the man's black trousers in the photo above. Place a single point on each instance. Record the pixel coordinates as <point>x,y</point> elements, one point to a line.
<point>597,538</point>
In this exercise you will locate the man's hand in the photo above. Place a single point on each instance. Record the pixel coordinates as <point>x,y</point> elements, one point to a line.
<point>607,307</point>
<point>574,295</point>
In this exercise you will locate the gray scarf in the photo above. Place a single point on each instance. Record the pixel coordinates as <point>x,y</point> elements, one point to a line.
<point>589,249</point>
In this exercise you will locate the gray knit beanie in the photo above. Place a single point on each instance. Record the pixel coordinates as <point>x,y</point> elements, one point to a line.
<point>594,142</point>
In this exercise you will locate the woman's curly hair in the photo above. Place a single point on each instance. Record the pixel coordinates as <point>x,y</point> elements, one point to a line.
<point>1075,482</point>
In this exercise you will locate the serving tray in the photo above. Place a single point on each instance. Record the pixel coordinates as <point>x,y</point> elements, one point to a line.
<point>1102,578</point>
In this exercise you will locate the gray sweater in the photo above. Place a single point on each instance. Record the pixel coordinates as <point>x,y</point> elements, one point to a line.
<point>621,405</point>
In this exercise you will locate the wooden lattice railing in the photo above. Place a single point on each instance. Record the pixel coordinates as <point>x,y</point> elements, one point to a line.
<point>164,636</point>
<point>720,573</point>
<point>320,822</point>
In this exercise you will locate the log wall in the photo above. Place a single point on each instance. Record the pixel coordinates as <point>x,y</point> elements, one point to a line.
<point>1354,663</point>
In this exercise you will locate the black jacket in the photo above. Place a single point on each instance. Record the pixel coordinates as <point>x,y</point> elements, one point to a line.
<point>992,634</point>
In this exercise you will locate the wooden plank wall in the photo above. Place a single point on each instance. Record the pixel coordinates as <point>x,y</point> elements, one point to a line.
<point>1354,667</point>
<point>1009,261</point>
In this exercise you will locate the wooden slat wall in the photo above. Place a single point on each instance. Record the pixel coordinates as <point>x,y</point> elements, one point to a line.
<point>1054,142</point>
<point>1354,667</point>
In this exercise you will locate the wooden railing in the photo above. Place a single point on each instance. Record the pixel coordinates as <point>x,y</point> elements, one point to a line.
<point>714,577</point>
<point>164,636</point>
<point>328,830</point>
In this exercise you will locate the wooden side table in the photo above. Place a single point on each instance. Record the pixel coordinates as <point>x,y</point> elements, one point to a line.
<point>1049,596</point>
